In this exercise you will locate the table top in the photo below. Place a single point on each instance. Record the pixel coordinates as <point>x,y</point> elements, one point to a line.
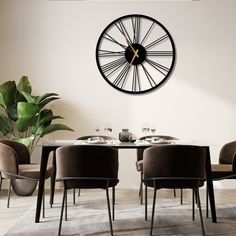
<point>118,144</point>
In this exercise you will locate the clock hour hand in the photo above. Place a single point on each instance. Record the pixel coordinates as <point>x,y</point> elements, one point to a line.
<point>135,55</point>
<point>135,52</point>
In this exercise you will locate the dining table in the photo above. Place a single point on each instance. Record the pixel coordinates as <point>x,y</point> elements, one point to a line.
<point>52,145</point>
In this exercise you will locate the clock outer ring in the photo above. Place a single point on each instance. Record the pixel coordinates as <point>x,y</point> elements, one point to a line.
<point>172,63</point>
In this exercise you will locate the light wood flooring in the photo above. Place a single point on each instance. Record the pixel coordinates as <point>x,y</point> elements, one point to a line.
<point>19,205</point>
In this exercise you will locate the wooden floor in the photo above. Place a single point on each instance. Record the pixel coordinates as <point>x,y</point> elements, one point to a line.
<point>18,205</point>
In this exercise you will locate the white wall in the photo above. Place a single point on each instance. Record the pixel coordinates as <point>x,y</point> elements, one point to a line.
<point>53,42</point>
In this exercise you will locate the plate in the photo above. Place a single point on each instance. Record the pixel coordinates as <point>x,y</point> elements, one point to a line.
<point>96,140</point>
<point>162,142</point>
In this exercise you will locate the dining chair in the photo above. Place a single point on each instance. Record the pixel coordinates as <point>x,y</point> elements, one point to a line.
<point>139,162</point>
<point>174,166</point>
<point>87,167</point>
<point>105,137</point>
<point>226,169</point>
<point>15,164</point>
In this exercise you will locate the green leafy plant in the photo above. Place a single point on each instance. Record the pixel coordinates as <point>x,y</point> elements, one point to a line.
<point>24,117</point>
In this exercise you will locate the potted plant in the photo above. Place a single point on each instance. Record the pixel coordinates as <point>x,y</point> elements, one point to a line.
<point>24,117</point>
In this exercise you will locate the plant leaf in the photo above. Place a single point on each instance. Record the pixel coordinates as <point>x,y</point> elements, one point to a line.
<point>8,94</point>
<point>39,99</point>
<point>24,123</point>
<point>29,98</point>
<point>25,109</point>
<point>6,126</point>
<point>55,127</point>
<point>24,85</point>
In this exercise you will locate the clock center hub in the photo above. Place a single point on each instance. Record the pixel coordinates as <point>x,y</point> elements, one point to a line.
<point>135,54</point>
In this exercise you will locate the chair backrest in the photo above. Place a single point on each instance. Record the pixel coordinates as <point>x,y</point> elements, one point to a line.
<point>93,136</point>
<point>227,153</point>
<point>8,161</point>
<point>87,161</point>
<point>140,151</point>
<point>176,162</point>
<point>21,150</point>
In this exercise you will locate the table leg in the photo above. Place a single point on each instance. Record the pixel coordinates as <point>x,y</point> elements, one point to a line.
<point>43,166</point>
<point>53,179</point>
<point>210,186</point>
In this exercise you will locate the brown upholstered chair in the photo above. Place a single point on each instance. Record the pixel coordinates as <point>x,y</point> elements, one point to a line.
<point>86,138</point>
<point>89,167</point>
<point>226,169</point>
<point>15,164</point>
<point>174,166</point>
<point>139,162</point>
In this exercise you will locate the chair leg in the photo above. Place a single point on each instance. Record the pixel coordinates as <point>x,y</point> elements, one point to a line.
<point>193,206</point>
<point>141,188</point>
<point>153,210</point>
<point>62,209</point>
<point>9,193</point>
<point>207,202</point>
<point>109,211</point>
<point>74,196</point>
<point>78,192</point>
<point>66,206</point>
<point>113,203</point>
<point>0,181</point>
<point>174,192</point>
<point>146,203</point>
<point>200,210</point>
<point>181,196</point>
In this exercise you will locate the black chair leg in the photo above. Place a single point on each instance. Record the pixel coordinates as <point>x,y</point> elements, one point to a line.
<point>113,203</point>
<point>0,181</point>
<point>109,211</point>
<point>207,203</point>
<point>181,196</point>
<point>193,202</point>
<point>153,210</point>
<point>200,210</point>
<point>66,206</point>
<point>78,192</point>
<point>9,193</point>
<point>62,209</point>
<point>146,203</point>
<point>74,196</point>
<point>141,188</point>
<point>174,193</point>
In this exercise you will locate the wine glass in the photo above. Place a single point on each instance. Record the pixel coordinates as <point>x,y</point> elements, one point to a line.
<point>153,129</point>
<point>97,129</point>
<point>145,128</point>
<point>108,129</point>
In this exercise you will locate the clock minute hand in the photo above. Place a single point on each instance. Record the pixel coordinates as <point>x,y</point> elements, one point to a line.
<point>135,52</point>
<point>135,55</point>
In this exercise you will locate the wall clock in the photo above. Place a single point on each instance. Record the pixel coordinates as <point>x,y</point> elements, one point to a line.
<point>135,54</point>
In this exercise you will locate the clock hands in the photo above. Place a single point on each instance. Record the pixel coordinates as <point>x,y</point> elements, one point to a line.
<point>135,55</point>
<point>134,51</point>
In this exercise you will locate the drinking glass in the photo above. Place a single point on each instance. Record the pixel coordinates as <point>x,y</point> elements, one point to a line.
<point>153,129</point>
<point>145,128</point>
<point>97,129</point>
<point>108,129</point>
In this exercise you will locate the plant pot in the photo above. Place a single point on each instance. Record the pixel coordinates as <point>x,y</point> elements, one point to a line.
<point>24,187</point>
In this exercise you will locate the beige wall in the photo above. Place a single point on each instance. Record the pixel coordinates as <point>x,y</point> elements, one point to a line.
<point>53,42</point>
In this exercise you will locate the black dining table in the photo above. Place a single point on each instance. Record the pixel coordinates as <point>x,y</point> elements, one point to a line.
<point>51,146</point>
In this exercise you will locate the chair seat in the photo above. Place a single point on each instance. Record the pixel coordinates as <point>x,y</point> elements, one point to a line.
<point>139,165</point>
<point>33,171</point>
<point>221,170</point>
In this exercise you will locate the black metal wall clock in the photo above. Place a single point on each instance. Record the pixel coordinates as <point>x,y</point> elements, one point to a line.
<point>135,54</point>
